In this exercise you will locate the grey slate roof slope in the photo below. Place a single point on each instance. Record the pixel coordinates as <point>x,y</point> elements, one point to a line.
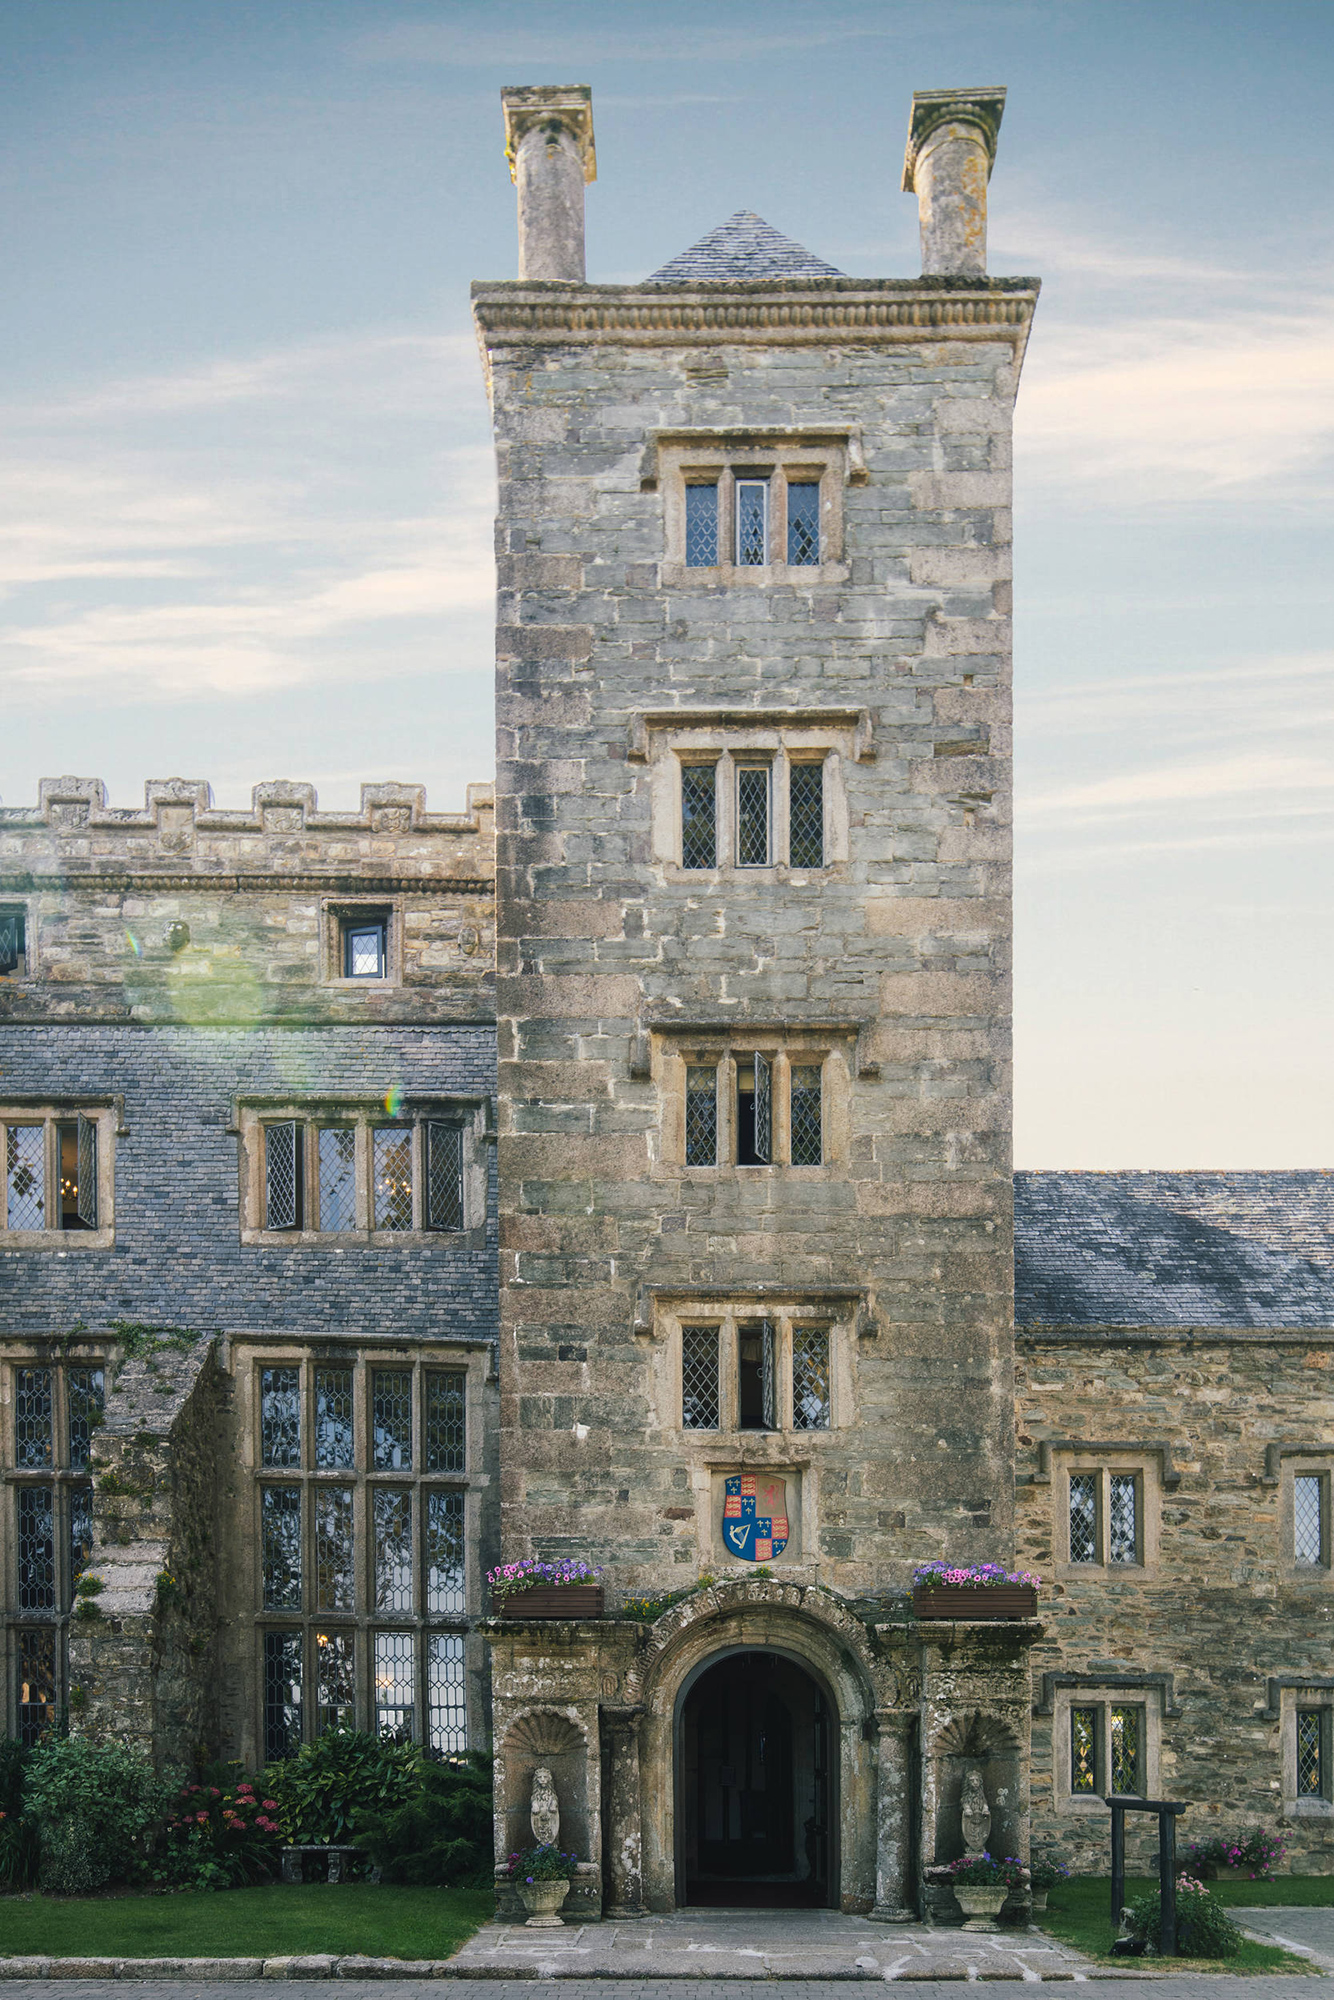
<point>1181,1249</point>
<point>744,247</point>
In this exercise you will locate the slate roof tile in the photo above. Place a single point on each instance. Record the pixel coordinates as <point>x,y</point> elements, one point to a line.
<point>744,247</point>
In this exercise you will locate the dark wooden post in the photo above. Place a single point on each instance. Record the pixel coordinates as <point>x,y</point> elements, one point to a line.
<point>1167,1880</point>
<point>1118,1861</point>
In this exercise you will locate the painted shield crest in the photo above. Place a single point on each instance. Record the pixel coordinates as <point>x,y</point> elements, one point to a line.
<point>755,1516</point>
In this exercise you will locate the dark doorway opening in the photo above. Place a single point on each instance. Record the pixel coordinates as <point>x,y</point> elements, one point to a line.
<point>756,1786</point>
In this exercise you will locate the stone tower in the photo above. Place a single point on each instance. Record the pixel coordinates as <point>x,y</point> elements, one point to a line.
<point>753,822</point>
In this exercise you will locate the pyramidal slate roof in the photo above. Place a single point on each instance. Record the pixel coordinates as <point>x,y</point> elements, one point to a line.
<point>1181,1249</point>
<point>743,247</point>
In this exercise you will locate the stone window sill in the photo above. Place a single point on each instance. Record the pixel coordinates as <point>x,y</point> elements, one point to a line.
<point>57,1239</point>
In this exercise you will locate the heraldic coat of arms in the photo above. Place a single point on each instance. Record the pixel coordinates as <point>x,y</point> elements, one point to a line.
<point>755,1517</point>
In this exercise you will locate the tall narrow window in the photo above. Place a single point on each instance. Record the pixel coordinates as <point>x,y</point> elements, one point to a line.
<point>752,816</point>
<point>280,1416</point>
<point>803,521</point>
<point>1084,1751</point>
<point>335,1571</point>
<point>444,1176</point>
<point>37,1548</point>
<point>757,1397</point>
<point>444,1550</point>
<point>807,1133</point>
<point>1308,1524</point>
<point>76,1139</point>
<point>701,526</point>
<point>810,1378</point>
<point>699,1378</point>
<point>12,955</point>
<point>1123,1518</point>
<point>1083,1517</point>
<point>393,1177</point>
<point>25,1177</point>
<point>282,1695</point>
<point>280,1533</point>
<point>1126,1734</point>
<point>34,1429</point>
<point>754,1111</point>
<point>394,1685</point>
<point>702,1115</point>
<point>36,1684</point>
<point>447,1716</point>
<point>391,1419</point>
<point>338,1177</point>
<point>752,523</point>
<point>805,834</point>
<point>392,1520</point>
<point>446,1421</point>
<point>282,1175</point>
<point>1311,1753</point>
<point>699,816</point>
<point>335,1681</point>
<point>80,1531</point>
<point>365,947</point>
<point>85,1394</point>
<point>333,1418</point>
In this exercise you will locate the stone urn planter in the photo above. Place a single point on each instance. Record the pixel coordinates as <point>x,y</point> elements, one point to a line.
<point>981,1905</point>
<point>1007,1600</point>
<point>1039,1899</point>
<point>542,1900</point>
<point>555,1600</point>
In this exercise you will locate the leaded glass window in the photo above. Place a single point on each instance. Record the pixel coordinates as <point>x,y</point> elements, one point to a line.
<point>444,1550</point>
<point>757,1377</point>
<point>36,1548</point>
<point>446,1707</point>
<point>391,1419</point>
<point>34,1427</point>
<point>280,1416</point>
<point>1083,1517</point>
<point>803,521</point>
<point>338,1177</point>
<point>446,1420</point>
<point>1084,1750</point>
<point>699,816</point>
<point>335,1681</point>
<point>1308,1518</point>
<point>810,1378</point>
<point>1122,1518</point>
<point>701,526</point>
<point>1126,1732</point>
<point>807,1134</point>
<point>280,1538</point>
<point>12,952</point>
<point>365,947</point>
<point>805,834</point>
<point>25,1177</point>
<point>1310,1753</point>
<point>85,1192</point>
<point>702,1115</point>
<point>80,1531</point>
<point>282,1695</point>
<point>699,1378</point>
<point>752,522</point>
<point>752,815</point>
<point>335,1572</point>
<point>333,1418</point>
<point>36,1684</point>
<point>392,1522</point>
<point>393,1177</point>
<point>395,1685</point>
<point>85,1394</point>
<point>444,1176</point>
<point>282,1175</point>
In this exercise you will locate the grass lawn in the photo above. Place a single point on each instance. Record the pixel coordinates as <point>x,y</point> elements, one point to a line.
<point>272,1922</point>
<point>1079,1914</point>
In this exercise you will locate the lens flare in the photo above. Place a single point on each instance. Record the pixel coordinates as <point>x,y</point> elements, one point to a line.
<point>134,944</point>
<point>393,1099</point>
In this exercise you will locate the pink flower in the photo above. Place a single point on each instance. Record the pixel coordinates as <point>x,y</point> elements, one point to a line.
<point>270,1805</point>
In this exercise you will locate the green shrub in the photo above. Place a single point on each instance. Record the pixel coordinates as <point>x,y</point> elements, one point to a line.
<point>19,1848</point>
<point>332,1785</point>
<point>100,1807</point>
<point>222,1832</point>
<point>1204,1928</point>
<point>443,1834</point>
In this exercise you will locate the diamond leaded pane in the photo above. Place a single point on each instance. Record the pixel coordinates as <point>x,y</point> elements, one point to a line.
<point>80,1531</point>
<point>335,1681</point>
<point>11,941</point>
<point>282,1695</point>
<point>810,1378</point>
<point>338,1177</point>
<point>392,1518</point>
<point>393,1177</point>
<point>764,1110</point>
<point>37,1548</point>
<point>1083,1749</point>
<point>444,1177</point>
<point>36,1684</point>
<point>803,522</point>
<point>85,1394</point>
<point>446,1707</point>
<point>333,1417</point>
<point>25,1177</point>
<point>33,1426</point>
<point>752,522</point>
<point>364,951</point>
<point>1306,1522</point>
<point>701,527</point>
<point>752,816</point>
<point>446,1420</point>
<point>391,1419</point>
<point>444,1551</point>
<point>805,846</point>
<point>335,1585</point>
<point>699,1378</point>
<point>1310,1754</point>
<point>280,1416</point>
<point>1122,1518</point>
<point>280,1541</point>
<point>1083,1517</point>
<point>394,1685</point>
<point>85,1193</point>
<point>702,1115</point>
<point>282,1176</point>
<point>699,816</point>
<point>1127,1744</point>
<point>807,1132</point>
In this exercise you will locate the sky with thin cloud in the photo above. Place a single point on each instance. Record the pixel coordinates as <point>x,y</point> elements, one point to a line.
<point>246,481</point>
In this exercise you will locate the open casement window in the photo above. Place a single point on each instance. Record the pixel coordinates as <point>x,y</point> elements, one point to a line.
<point>340,1171</point>
<point>85,1192</point>
<point>749,1368</point>
<point>754,1112</point>
<point>282,1175</point>
<point>444,1176</point>
<point>52,1169</point>
<point>757,1377</point>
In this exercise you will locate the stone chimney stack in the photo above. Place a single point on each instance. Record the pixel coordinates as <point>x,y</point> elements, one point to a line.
<point>549,145</point>
<point>951,147</point>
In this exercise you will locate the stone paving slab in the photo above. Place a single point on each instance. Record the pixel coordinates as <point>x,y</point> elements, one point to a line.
<point>1310,1933</point>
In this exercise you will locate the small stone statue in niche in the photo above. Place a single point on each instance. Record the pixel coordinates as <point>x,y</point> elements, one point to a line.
<point>974,1811</point>
<point>544,1813</point>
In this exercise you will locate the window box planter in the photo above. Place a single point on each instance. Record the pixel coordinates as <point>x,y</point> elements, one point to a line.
<point>554,1600</point>
<point>1004,1600</point>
